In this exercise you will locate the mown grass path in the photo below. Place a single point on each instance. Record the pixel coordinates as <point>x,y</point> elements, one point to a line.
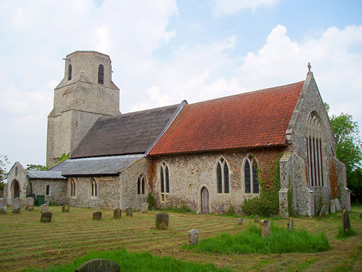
<point>25,242</point>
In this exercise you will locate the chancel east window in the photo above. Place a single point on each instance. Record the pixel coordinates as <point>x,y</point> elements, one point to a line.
<point>165,180</point>
<point>314,145</point>
<point>251,184</point>
<point>141,185</point>
<point>222,176</point>
<point>94,188</point>
<point>100,74</point>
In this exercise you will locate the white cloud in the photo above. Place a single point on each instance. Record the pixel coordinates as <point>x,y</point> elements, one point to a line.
<point>229,7</point>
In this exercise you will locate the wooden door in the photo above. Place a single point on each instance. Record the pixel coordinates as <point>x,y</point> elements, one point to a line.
<point>204,200</point>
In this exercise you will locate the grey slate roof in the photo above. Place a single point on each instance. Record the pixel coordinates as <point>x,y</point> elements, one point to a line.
<point>45,175</point>
<point>96,166</point>
<point>131,133</point>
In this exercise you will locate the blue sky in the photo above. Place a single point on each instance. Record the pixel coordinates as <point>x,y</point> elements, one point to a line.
<point>164,51</point>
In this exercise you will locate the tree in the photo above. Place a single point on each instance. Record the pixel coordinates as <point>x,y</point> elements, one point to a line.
<point>36,167</point>
<point>349,150</point>
<point>3,172</point>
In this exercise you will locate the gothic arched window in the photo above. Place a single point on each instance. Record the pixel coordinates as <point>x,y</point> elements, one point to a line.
<point>251,184</point>
<point>314,146</point>
<point>141,185</point>
<point>165,180</point>
<point>47,190</point>
<point>222,176</point>
<point>72,187</point>
<point>100,74</point>
<point>70,72</point>
<point>94,188</point>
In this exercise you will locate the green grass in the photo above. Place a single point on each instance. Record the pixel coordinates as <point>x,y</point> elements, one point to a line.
<point>250,241</point>
<point>342,234</point>
<point>136,262</point>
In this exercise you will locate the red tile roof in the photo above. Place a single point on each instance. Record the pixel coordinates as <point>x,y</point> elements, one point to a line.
<point>253,119</point>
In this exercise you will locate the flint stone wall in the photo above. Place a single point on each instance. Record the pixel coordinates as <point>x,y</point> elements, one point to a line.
<point>58,190</point>
<point>107,188</point>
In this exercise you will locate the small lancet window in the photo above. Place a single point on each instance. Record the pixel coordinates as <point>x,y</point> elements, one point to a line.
<point>70,72</point>
<point>100,74</point>
<point>72,187</point>
<point>222,177</point>
<point>141,185</point>
<point>251,176</point>
<point>47,190</point>
<point>94,188</point>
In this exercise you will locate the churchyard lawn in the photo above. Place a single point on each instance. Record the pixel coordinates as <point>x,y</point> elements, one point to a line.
<point>26,242</point>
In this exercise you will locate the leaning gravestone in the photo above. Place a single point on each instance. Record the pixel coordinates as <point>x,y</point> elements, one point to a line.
<point>144,207</point>
<point>193,237</point>
<point>44,208</point>
<point>46,217</point>
<point>99,265</point>
<point>291,224</point>
<point>3,206</point>
<point>17,203</point>
<point>162,221</point>
<point>117,213</point>
<point>65,208</point>
<point>29,203</point>
<point>97,216</point>
<point>265,228</point>
<point>240,221</point>
<point>338,205</point>
<point>346,224</point>
<point>129,212</point>
<point>324,210</point>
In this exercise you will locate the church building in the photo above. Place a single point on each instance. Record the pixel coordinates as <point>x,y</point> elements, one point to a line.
<point>209,156</point>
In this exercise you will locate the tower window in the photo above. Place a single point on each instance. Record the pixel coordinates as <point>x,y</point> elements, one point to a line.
<point>70,72</point>
<point>100,74</point>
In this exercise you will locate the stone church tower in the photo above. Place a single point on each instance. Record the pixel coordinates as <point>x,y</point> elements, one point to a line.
<point>85,93</point>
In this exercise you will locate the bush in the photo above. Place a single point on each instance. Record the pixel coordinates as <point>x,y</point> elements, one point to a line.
<point>182,209</point>
<point>258,206</point>
<point>151,201</point>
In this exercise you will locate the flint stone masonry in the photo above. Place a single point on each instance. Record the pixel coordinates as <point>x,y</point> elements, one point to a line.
<point>324,210</point>
<point>58,189</point>
<point>29,202</point>
<point>265,228</point>
<point>162,220</point>
<point>240,221</point>
<point>193,237</point>
<point>65,208</point>
<point>99,265</point>
<point>129,212</point>
<point>97,216</point>
<point>346,224</point>
<point>144,207</point>
<point>17,204</point>
<point>44,208</point>
<point>46,217</point>
<point>117,213</point>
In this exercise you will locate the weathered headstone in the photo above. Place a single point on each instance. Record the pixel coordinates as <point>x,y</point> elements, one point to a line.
<point>97,216</point>
<point>240,221</point>
<point>46,217</point>
<point>29,203</point>
<point>129,212</point>
<point>324,210</point>
<point>162,220</point>
<point>338,205</point>
<point>44,208</point>
<point>65,208</point>
<point>256,219</point>
<point>346,224</point>
<point>117,213</point>
<point>265,228</point>
<point>144,207</point>
<point>17,203</point>
<point>3,206</point>
<point>291,224</point>
<point>98,265</point>
<point>193,237</point>
<point>333,206</point>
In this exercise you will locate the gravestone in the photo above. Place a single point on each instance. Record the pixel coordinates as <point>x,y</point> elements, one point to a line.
<point>129,212</point>
<point>338,205</point>
<point>46,217</point>
<point>333,206</point>
<point>99,265</point>
<point>346,224</point>
<point>144,207</point>
<point>193,237</point>
<point>291,224</point>
<point>240,221</point>
<point>265,228</point>
<point>117,213</point>
<point>65,208</point>
<point>29,203</point>
<point>44,208</point>
<point>17,203</point>
<point>324,210</point>
<point>97,216</point>
<point>3,206</point>
<point>162,221</point>
<point>30,208</point>
<point>256,219</point>
<point>2,202</point>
